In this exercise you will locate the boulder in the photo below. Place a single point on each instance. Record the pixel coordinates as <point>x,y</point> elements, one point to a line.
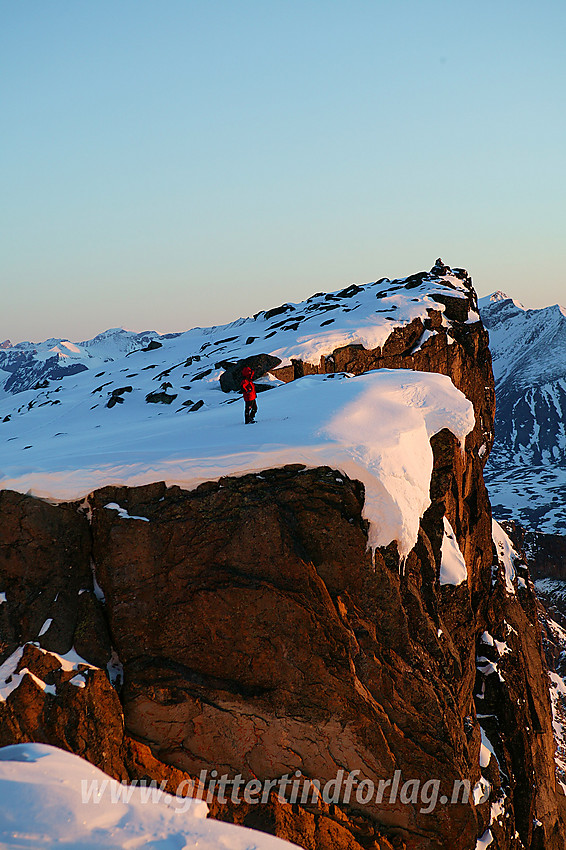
<point>160,398</point>
<point>231,379</point>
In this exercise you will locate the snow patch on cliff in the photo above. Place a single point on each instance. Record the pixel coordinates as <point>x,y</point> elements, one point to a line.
<point>453,568</point>
<point>506,554</point>
<point>558,699</point>
<point>123,513</point>
<point>11,677</point>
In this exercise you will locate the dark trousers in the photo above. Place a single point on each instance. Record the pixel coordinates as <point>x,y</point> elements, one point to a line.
<point>251,410</point>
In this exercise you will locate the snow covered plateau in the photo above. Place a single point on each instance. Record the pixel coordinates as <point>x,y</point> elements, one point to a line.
<point>146,407</point>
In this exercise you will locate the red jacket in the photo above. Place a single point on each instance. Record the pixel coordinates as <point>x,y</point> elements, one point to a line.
<point>248,388</point>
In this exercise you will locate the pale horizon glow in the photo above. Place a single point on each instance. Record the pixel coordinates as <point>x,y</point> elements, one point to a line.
<point>171,165</point>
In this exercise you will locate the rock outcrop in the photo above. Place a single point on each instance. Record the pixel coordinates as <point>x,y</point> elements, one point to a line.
<point>231,378</point>
<point>247,628</point>
<point>546,553</point>
<point>446,342</point>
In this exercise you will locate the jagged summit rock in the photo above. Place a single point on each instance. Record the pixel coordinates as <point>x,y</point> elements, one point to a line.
<point>440,268</point>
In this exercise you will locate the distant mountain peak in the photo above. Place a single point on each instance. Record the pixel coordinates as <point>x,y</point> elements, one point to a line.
<point>499,304</point>
<point>526,472</point>
<point>6,344</point>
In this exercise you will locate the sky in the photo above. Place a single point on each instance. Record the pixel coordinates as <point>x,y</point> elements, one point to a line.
<point>172,163</point>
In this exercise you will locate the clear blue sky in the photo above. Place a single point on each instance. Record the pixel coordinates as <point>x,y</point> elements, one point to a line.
<point>171,163</point>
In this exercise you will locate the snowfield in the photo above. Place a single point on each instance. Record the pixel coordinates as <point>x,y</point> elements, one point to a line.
<point>375,427</point>
<point>50,798</point>
<point>148,408</point>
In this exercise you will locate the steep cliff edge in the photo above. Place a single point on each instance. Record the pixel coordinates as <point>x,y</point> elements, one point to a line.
<point>249,629</point>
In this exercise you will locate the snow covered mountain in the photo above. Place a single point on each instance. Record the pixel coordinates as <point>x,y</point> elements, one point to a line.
<point>526,473</point>
<point>324,577</point>
<point>307,330</point>
<point>27,364</point>
<point>145,407</point>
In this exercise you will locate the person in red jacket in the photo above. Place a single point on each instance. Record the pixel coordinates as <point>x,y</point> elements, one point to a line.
<point>249,392</point>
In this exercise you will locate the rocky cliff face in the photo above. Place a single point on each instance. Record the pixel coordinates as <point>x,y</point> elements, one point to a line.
<point>546,553</point>
<point>247,628</point>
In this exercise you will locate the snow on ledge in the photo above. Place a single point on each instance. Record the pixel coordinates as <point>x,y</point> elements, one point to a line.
<point>123,513</point>
<point>485,840</point>
<point>375,427</point>
<point>10,680</point>
<point>45,627</point>
<point>506,554</point>
<point>452,565</point>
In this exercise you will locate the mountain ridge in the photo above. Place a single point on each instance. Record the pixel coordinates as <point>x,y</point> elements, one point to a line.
<point>130,407</point>
<point>526,474</point>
